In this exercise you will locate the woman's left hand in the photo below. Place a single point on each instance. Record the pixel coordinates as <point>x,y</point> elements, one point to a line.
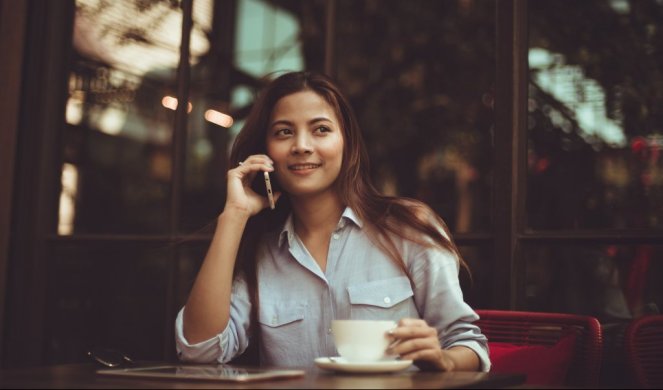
<point>414,339</point>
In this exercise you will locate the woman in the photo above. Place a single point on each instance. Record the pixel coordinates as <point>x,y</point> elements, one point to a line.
<point>333,248</point>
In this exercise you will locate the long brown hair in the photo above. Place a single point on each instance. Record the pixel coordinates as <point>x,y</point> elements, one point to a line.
<point>384,216</point>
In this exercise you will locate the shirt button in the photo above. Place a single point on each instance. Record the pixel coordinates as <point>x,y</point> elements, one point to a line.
<point>336,236</point>
<point>387,300</point>
<point>329,331</point>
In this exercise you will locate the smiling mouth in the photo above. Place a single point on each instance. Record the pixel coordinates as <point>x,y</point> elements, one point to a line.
<point>301,167</point>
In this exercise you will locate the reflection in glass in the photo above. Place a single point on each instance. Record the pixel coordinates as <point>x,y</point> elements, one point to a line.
<point>69,183</point>
<point>118,133</point>
<point>610,282</point>
<point>267,37</point>
<point>594,123</point>
<point>420,76</point>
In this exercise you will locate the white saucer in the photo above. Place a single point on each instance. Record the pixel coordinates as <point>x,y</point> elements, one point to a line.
<point>341,365</point>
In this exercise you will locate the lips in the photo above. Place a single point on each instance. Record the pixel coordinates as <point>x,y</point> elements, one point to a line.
<point>302,167</point>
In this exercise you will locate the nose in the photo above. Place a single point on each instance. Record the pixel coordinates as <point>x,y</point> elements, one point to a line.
<point>302,144</point>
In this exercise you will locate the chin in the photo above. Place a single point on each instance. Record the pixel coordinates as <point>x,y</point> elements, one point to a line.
<point>303,191</point>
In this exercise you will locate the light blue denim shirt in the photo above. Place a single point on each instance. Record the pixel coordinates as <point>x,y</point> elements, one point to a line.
<point>298,300</point>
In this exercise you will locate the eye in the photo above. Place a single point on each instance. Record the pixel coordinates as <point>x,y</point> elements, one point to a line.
<point>322,129</point>
<point>283,132</point>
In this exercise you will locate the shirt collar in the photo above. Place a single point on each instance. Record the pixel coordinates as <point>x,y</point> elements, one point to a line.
<point>288,230</point>
<point>349,214</point>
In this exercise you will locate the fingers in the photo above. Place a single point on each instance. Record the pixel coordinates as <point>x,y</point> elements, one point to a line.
<point>239,193</point>
<point>255,163</point>
<point>246,170</point>
<point>409,328</point>
<point>404,347</point>
<point>413,339</point>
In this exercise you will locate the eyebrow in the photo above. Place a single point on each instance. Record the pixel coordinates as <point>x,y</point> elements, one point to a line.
<point>312,121</point>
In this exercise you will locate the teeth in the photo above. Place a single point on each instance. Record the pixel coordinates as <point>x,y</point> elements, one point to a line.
<point>305,166</point>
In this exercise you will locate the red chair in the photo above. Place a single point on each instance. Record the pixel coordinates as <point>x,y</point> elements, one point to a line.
<point>532,343</point>
<point>643,344</point>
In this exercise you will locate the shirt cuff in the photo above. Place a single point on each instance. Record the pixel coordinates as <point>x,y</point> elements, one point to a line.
<point>479,349</point>
<point>202,352</point>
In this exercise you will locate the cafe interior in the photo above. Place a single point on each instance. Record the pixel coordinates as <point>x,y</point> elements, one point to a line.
<point>533,128</point>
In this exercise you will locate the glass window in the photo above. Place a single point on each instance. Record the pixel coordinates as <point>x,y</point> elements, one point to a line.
<point>478,283</point>
<point>267,38</point>
<point>420,76</point>
<point>610,282</point>
<point>594,124</point>
<point>117,141</point>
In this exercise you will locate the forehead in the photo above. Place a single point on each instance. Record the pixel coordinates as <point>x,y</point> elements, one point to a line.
<point>302,105</point>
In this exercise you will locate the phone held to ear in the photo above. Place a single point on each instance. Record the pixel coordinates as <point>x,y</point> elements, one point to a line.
<point>270,195</point>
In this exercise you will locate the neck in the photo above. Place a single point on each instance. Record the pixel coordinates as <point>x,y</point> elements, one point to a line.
<point>317,214</point>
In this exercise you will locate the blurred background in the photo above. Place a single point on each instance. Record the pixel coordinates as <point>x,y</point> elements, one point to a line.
<point>534,128</point>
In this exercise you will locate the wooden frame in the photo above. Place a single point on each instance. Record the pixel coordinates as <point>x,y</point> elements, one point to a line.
<point>49,29</point>
<point>13,16</point>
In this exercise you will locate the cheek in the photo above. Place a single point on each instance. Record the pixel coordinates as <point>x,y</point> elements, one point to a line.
<point>334,151</point>
<point>275,151</point>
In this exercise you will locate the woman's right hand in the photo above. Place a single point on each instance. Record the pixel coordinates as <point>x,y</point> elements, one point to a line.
<point>240,196</point>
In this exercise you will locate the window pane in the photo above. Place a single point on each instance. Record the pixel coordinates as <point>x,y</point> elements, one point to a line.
<point>268,37</point>
<point>420,76</point>
<point>119,115</point>
<point>107,296</point>
<point>478,284</point>
<point>595,114</point>
<point>610,282</point>
<point>191,256</point>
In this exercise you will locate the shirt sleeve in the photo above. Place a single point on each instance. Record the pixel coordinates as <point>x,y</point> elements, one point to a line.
<point>439,300</point>
<point>228,344</point>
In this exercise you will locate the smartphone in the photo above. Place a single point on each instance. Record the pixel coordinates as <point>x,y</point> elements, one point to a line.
<point>270,194</point>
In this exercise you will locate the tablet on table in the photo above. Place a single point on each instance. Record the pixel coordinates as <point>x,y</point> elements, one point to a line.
<point>204,372</point>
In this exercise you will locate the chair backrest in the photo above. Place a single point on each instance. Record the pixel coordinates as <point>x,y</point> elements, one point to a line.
<point>546,329</point>
<point>643,344</point>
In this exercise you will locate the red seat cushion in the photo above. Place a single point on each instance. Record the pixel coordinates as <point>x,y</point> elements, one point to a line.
<point>544,365</point>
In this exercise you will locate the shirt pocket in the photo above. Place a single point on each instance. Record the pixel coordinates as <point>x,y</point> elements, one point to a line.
<point>386,299</point>
<point>281,323</point>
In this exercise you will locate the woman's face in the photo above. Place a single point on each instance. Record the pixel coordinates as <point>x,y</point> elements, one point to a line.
<point>305,141</point>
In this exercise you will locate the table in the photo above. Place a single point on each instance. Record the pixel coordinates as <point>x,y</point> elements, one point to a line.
<point>72,376</point>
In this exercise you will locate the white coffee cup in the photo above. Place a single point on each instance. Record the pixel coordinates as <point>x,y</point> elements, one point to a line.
<point>362,340</point>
